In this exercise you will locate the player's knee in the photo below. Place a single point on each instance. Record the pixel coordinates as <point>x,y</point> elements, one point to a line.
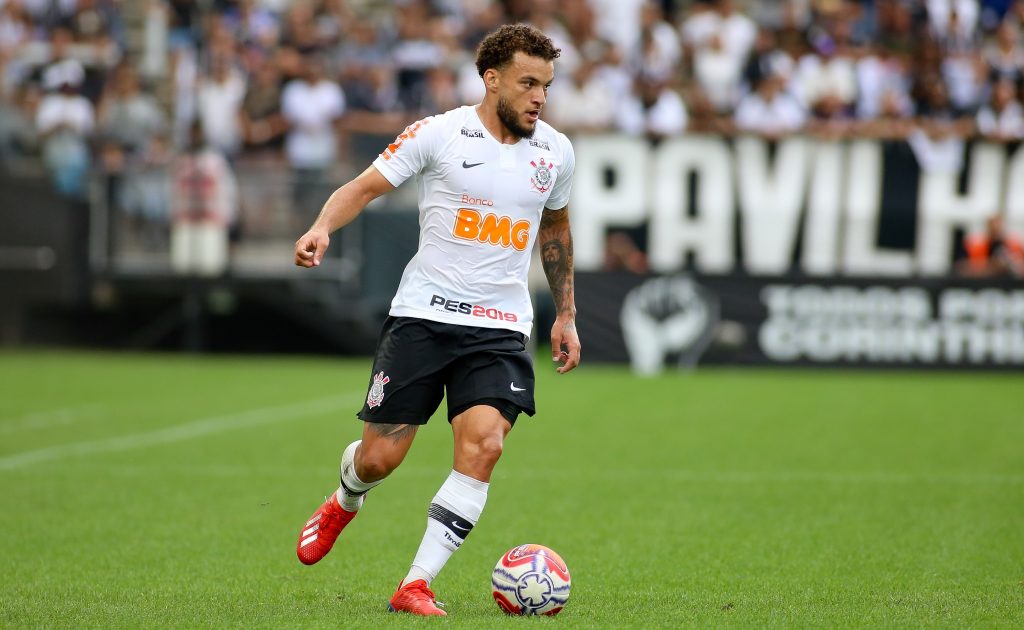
<point>489,450</point>
<point>372,467</point>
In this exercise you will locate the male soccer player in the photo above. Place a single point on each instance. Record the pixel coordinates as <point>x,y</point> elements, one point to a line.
<point>493,180</point>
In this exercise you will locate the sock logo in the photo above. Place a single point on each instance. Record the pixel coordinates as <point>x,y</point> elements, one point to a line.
<point>453,540</point>
<point>456,524</point>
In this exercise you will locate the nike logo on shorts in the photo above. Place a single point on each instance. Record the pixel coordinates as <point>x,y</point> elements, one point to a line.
<point>465,165</point>
<point>517,389</point>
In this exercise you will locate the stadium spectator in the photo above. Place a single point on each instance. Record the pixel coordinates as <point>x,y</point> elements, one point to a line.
<point>827,75</point>
<point>657,52</point>
<point>312,106</point>
<point>415,53</point>
<point>364,70</point>
<point>139,189</point>
<point>702,116</point>
<point>769,110</point>
<point>891,122</point>
<point>480,18</point>
<point>133,130</point>
<point>205,206</point>
<point>127,115</point>
<point>299,32</point>
<point>582,102</point>
<point>940,131</point>
<point>261,166</point>
<point>253,26</point>
<point>185,23</point>
<point>88,60</point>
<point>1005,55</point>
<point>1016,13</point>
<point>16,32</point>
<point>219,100</point>
<point>721,40</point>
<point>952,18</point>
<point>993,252</point>
<point>440,94</point>
<point>619,21</point>
<point>830,118</point>
<point>896,26</point>
<point>882,74</point>
<point>766,59</point>
<point>65,122</point>
<point>965,72</point>
<point>97,23</point>
<point>57,53</point>
<point>261,121</point>
<point>1002,120</point>
<point>934,109</point>
<point>654,110</point>
<point>545,15</point>
<point>612,68</point>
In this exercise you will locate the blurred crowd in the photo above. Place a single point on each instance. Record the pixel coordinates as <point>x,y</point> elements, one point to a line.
<point>131,88</point>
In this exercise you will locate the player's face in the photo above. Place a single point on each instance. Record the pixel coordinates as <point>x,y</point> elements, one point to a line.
<point>523,92</point>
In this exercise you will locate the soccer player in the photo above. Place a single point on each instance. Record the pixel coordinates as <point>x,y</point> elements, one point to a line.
<point>493,180</point>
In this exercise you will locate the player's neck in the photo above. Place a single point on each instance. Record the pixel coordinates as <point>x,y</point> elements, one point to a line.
<point>488,114</point>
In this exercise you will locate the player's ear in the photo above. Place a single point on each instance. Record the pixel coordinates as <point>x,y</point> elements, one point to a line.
<point>491,79</point>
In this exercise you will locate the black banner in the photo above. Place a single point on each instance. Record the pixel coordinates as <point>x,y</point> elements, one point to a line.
<point>659,322</point>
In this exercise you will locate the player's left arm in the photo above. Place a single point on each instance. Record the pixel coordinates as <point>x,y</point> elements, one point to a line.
<point>555,241</point>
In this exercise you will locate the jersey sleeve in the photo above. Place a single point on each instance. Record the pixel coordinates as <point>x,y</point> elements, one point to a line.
<point>410,152</point>
<point>563,185</point>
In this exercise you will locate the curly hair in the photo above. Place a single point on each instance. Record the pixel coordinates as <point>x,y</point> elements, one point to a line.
<point>498,48</point>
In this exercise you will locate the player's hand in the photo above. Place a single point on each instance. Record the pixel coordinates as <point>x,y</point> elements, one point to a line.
<point>565,344</point>
<point>310,248</point>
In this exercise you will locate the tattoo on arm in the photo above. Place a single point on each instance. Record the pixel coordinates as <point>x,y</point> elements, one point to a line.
<point>394,432</point>
<point>556,254</point>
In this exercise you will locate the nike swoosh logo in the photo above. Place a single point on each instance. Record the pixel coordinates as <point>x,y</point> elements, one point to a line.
<point>455,525</point>
<point>517,389</point>
<point>465,165</point>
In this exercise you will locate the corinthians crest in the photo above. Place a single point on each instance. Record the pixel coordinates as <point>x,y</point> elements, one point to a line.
<point>376,395</point>
<point>541,179</point>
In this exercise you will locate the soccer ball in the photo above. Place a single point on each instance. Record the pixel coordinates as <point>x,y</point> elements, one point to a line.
<point>530,580</point>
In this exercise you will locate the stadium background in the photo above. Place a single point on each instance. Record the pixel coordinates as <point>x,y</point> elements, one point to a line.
<point>159,159</point>
<point>809,183</point>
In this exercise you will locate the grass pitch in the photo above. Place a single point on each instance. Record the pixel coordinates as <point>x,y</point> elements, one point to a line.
<point>167,491</point>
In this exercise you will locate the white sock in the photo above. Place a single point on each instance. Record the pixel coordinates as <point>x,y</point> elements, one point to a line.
<point>352,489</point>
<point>453,513</point>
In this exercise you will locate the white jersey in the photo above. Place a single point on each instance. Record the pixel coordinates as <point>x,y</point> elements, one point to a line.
<point>480,205</point>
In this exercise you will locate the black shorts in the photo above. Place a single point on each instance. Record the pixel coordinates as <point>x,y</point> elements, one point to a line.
<point>418,361</point>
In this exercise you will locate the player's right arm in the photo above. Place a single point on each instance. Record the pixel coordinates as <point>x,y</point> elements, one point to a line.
<point>341,208</point>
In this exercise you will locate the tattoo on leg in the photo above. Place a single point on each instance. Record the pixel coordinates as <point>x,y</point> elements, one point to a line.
<point>394,432</point>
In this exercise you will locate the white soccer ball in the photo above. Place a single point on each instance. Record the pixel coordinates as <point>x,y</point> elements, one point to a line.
<point>531,580</point>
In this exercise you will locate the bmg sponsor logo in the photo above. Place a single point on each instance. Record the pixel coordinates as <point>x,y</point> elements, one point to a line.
<point>465,308</point>
<point>502,231</point>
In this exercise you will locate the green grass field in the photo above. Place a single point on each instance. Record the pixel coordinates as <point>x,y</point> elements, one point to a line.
<point>168,491</point>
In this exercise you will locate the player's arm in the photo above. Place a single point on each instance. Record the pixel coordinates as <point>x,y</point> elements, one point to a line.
<point>341,208</point>
<point>555,241</point>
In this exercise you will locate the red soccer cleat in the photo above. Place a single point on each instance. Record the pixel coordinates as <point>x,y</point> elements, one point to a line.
<point>416,598</point>
<point>321,530</point>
